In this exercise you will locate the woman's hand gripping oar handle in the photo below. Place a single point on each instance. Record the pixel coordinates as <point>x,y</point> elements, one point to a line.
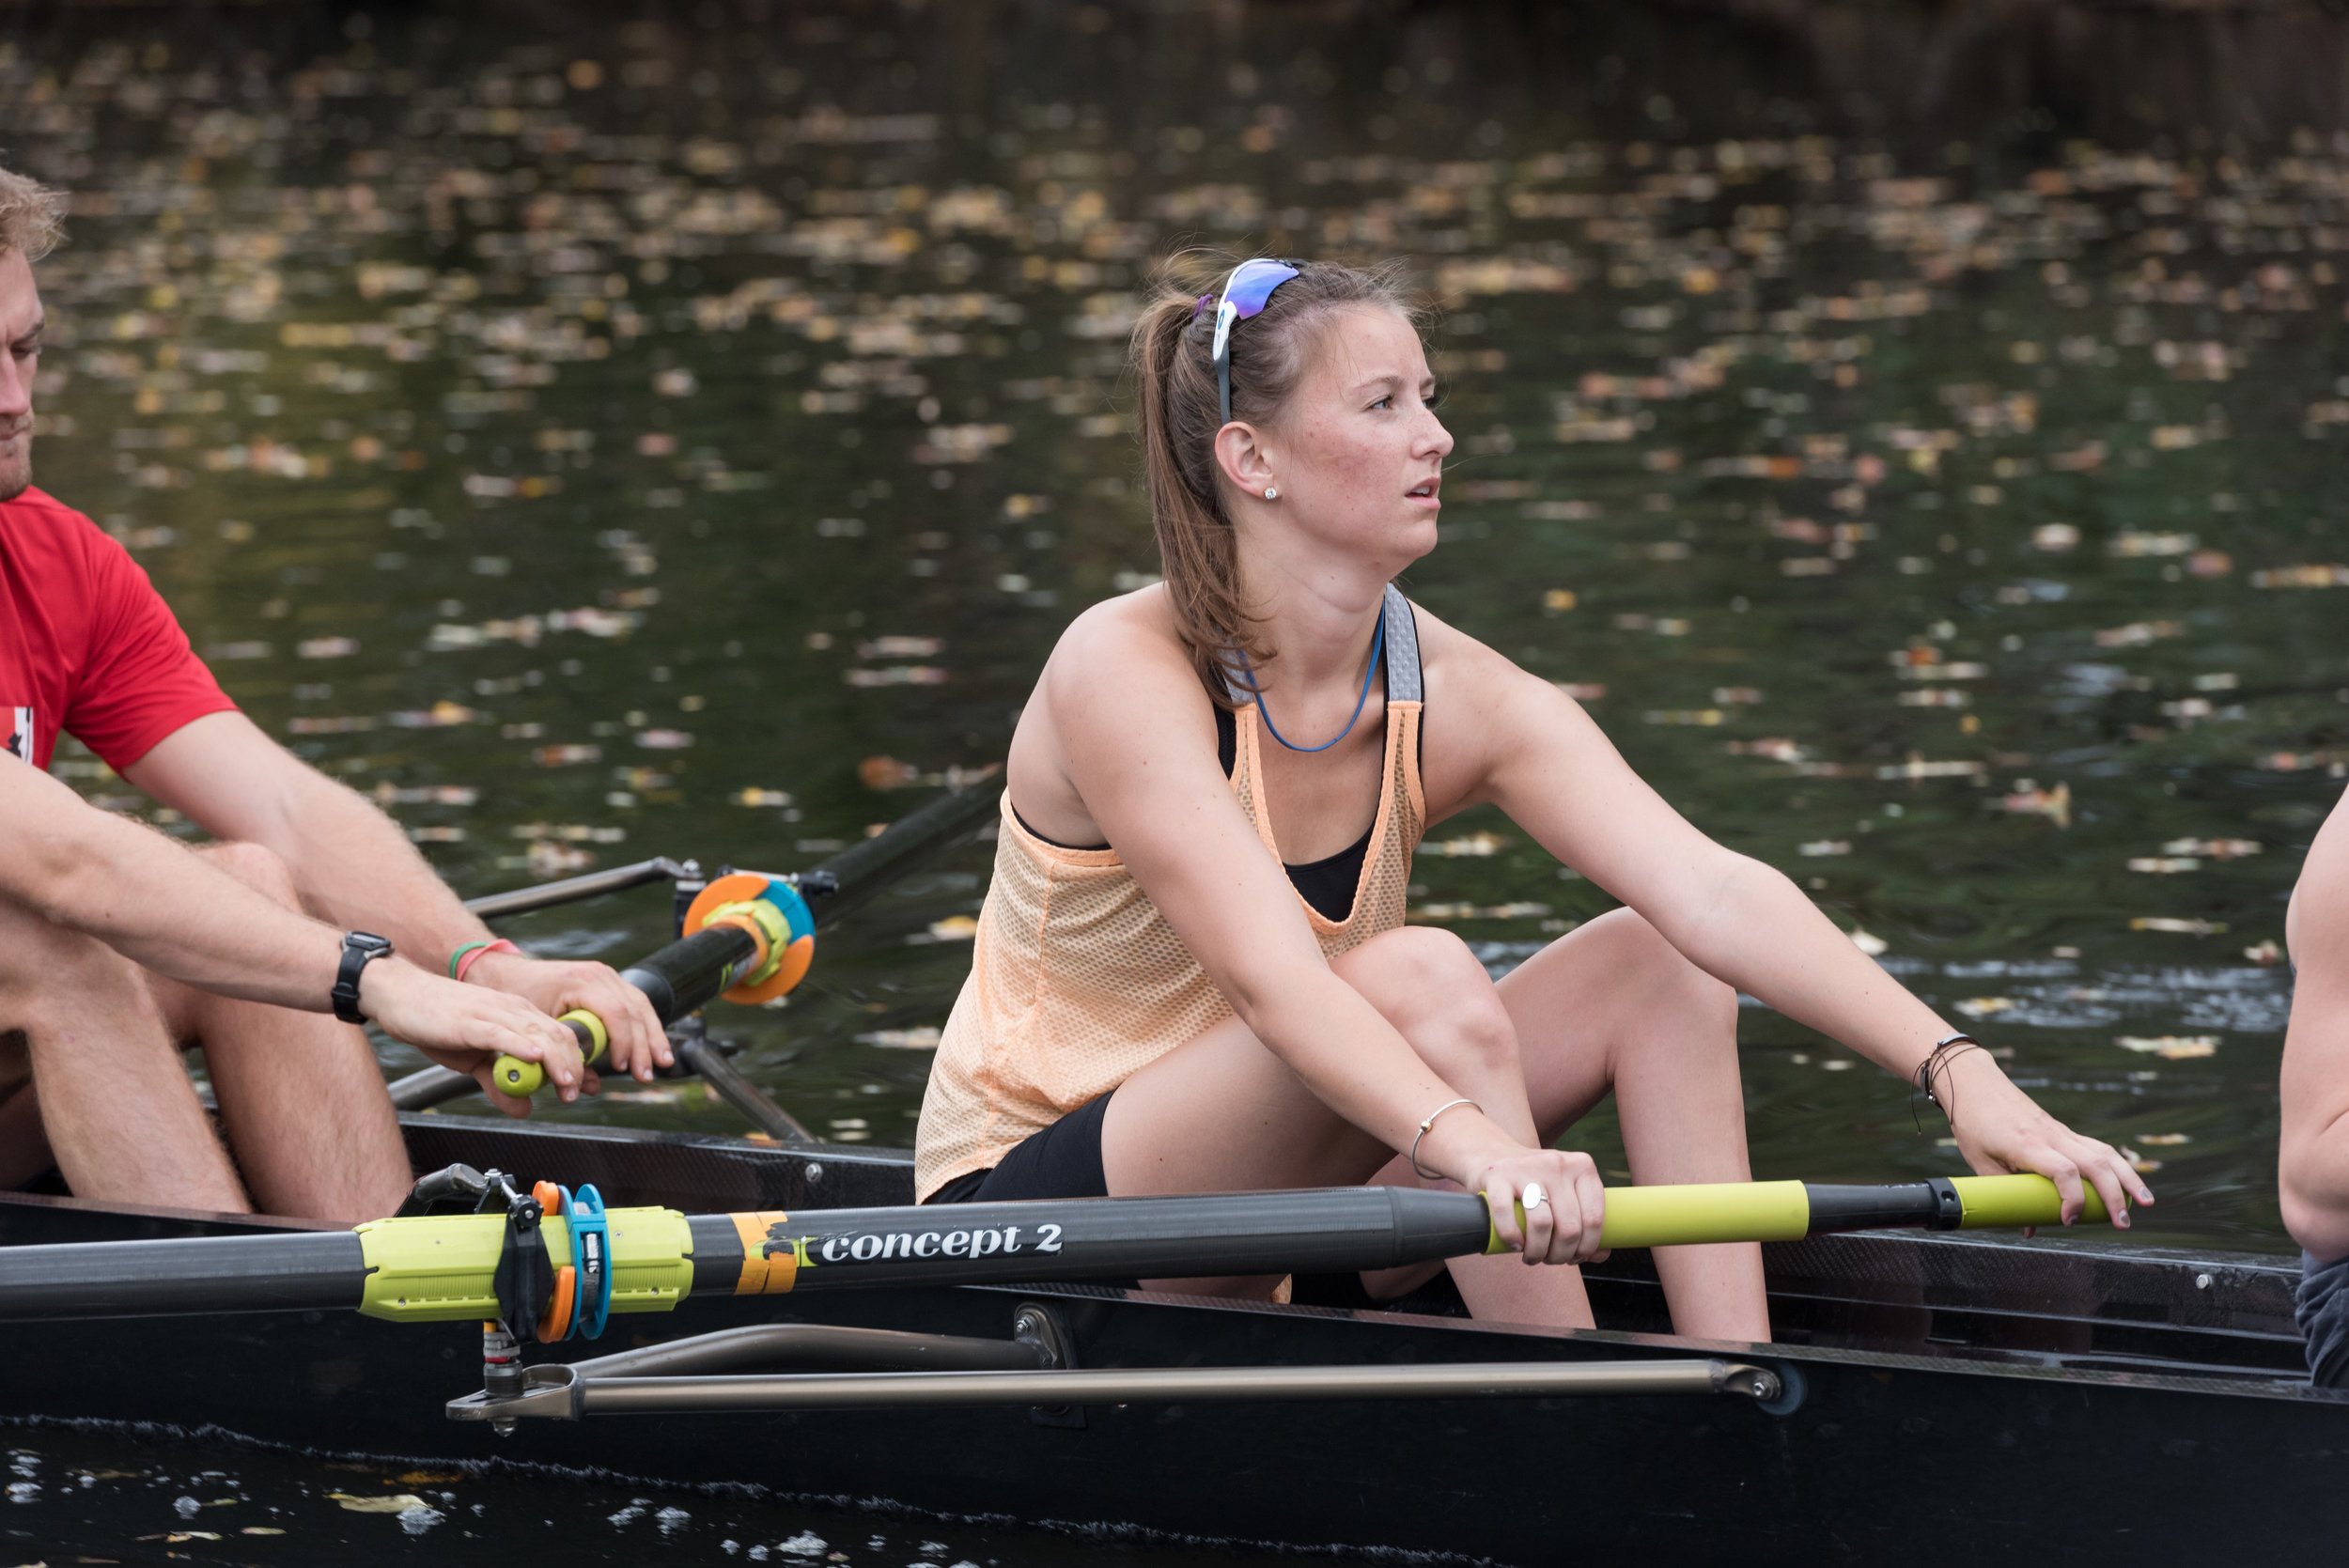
<point>748,937</point>
<point>1699,1214</point>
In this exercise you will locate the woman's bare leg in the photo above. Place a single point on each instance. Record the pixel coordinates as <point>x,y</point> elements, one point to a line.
<point>1612,1005</point>
<point>1222,1113</point>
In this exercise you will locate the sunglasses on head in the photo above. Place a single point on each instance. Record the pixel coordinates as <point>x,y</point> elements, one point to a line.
<point>1251,285</point>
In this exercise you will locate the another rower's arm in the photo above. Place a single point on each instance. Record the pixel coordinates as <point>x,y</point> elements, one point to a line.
<point>159,903</point>
<point>1514,740</point>
<point>2313,1168</point>
<point>353,864</point>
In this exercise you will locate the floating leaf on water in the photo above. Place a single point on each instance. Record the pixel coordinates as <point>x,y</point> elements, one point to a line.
<point>1869,943</point>
<point>2265,953</point>
<point>953,928</point>
<point>2054,804</point>
<point>1982,1007</point>
<point>2172,1048</point>
<point>260,1530</point>
<point>2182,927</point>
<point>1824,846</point>
<point>390,1503</point>
<point>2139,1163</point>
<point>925,1038</point>
<point>1477,846</point>
<point>2164,865</point>
<point>2166,1140</point>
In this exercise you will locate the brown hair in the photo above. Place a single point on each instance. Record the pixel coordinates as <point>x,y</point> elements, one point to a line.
<point>32,216</point>
<point>1181,411</point>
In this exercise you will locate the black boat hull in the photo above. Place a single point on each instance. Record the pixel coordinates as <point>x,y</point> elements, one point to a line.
<point>2092,1446</point>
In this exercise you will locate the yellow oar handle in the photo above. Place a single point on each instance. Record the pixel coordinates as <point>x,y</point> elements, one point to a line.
<point>1700,1213</point>
<point>524,1078</point>
<point>1994,1202</point>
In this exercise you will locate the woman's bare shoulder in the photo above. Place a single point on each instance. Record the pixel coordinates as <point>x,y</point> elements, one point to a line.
<point>1457,666</point>
<point>1118,645</point>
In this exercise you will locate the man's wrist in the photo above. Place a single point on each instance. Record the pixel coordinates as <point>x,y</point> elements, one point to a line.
<point>468,961</point>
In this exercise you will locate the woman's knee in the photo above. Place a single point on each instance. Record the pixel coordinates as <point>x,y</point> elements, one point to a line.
<point>1435,991</point>
<point>1639,958</point>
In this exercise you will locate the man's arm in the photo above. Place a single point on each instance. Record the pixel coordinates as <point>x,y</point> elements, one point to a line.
<point>158,905</point>
<point>353,866</point>
<point>2313,1169</point>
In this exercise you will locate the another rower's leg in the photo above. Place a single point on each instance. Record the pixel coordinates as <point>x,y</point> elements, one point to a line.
<point>113,1098</point>
<point>301,1095</point>
<point>1615,1005</point>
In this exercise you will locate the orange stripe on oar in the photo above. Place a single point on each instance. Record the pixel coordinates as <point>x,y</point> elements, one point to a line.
<point>763,1275</point>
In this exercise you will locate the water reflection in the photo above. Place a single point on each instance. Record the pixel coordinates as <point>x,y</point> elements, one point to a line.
<point>688,439</point>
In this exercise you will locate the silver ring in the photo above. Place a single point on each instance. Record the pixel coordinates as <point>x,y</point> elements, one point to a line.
<point>1534,1197</point>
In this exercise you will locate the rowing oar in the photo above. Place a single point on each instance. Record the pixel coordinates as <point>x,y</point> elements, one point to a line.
<point>511,1266</point>
<point>749,937</point>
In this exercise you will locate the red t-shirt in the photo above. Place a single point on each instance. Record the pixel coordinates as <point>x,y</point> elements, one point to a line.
<point>86,645</point>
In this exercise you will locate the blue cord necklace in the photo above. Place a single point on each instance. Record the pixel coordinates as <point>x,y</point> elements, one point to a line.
<point>1377,646</point>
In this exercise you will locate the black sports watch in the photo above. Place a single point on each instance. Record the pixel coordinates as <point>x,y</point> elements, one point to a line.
<point>360,948</point>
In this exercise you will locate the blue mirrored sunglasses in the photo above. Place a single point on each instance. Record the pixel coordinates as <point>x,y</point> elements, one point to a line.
<point>1244,295</point>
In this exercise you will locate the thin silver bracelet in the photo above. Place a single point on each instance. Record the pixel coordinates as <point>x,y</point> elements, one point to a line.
<point>1422,1175</point>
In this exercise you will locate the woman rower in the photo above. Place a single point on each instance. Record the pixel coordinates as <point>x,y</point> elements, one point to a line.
<point>1192,973</point>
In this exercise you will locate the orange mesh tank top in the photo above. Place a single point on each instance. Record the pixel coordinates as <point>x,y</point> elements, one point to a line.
<point>1078,982</point>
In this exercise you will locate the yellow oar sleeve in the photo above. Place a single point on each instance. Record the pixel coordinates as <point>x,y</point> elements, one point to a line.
<point>1699,1213</point>
<point>1996,1202</point>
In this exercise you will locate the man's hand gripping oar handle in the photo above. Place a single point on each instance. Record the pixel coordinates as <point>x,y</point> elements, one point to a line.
<point>1698,1214</point>
<point>748,937</point>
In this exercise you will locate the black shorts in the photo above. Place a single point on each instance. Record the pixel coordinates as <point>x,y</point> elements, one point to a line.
<point>1063,1160</point>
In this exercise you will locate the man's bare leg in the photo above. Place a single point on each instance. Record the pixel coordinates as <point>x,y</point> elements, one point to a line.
<point>301,1095</point>
<point>115,1101</point>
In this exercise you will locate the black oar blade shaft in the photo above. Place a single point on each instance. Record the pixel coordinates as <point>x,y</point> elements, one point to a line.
<point>1324,1230</point>
<point>691,972</point>
<point>306,1270</point>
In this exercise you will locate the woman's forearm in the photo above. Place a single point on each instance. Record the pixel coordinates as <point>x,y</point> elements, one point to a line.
<point>1765,938</point>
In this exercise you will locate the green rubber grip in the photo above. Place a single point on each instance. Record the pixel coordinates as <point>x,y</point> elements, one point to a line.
<point>2002,1203</point>
<point>522,1079</point>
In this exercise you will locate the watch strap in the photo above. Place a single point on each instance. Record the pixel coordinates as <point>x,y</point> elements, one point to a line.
<point>360,948</point>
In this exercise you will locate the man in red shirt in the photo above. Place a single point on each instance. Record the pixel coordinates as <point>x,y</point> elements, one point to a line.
<point>118,948</point>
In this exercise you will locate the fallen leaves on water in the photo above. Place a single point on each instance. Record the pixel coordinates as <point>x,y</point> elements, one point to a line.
<point>1477,846</point>
<point>1982,1007</point>
<point>392,1502</point>
<point>2264,952</point>
<point>1868,942</point>
<point>2139,1163</point>
<point>2183,928</point>
<point>901,1039</point>
<point>2171,1047</point>
<point>2166,1140</point>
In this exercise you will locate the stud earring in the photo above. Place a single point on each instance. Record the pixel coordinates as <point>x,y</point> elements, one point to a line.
<point>1272,492</point>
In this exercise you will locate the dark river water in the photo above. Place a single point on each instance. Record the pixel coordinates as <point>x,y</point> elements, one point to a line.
<point>610,432</point>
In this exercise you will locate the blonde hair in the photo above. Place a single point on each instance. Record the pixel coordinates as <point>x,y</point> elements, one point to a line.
<point>1181,410</point>
<point>32,216</point>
